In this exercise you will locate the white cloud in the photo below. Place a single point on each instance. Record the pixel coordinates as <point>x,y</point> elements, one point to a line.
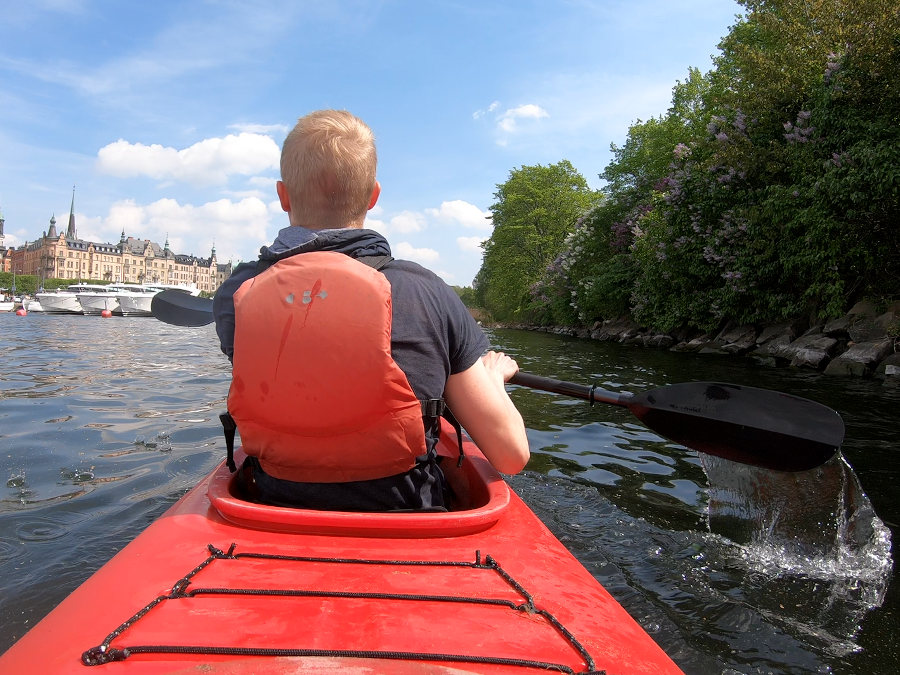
<point>509,121</point>
<point>462,212</point>
<point>234,227</point>
<point>470,244</point>
<point>210,161</point>
<point>267,129</point>
<point>407,251</point>
<point>263,183</point>
<point>406,222</point>
<point>481,113</point>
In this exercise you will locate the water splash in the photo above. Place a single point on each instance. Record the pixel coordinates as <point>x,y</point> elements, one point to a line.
<point>817,557</point>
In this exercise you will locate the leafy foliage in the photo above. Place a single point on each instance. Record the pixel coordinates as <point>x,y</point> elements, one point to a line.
<point>535,209</point>
<point>770,188</point>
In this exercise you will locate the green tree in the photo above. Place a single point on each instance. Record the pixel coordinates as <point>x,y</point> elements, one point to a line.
<point>25,283</point>
<point>466,294</point>
<point>535,209</point>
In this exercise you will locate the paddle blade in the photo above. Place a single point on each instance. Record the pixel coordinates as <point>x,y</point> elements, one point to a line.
<point>181,309</point>
<point>764,428</point>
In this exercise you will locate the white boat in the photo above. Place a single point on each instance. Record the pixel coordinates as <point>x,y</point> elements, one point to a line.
<point>32,305</point>
<point>64,300</point>
<point>100,299</point>
<point>135,300</point>
<point>7,302</point>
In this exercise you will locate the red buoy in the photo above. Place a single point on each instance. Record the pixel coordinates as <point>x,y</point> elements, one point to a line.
<point>106,314</point>
<point>21,311</point>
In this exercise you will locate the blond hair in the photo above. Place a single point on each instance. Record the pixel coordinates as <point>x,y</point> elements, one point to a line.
<point>328,166</point>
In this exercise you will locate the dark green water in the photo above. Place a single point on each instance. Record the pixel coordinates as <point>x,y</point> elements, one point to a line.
<point>105,422</point>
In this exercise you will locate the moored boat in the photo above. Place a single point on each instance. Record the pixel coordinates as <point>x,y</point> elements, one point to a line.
<point>99,299</point>
<point>218,584</point>
<point>65,300</point>
<point>136,300</point>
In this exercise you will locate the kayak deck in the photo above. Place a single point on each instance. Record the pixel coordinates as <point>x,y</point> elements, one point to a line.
<point>218,585</point>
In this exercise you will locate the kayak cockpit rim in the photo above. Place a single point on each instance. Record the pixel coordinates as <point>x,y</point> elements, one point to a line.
<point>481,496</point>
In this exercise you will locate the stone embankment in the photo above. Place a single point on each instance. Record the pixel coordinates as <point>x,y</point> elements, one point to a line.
<point>862,343</point>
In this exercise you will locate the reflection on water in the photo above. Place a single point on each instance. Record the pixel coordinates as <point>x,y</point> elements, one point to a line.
<point>105,422</point>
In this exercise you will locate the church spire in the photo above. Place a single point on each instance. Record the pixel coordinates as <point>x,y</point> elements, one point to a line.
<point>70,233</point>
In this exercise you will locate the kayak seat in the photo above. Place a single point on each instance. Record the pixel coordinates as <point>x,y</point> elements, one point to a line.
<point>480,498</point>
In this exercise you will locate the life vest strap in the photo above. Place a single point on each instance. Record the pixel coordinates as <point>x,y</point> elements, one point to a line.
<point>229,426</point>
<point>435,408</point>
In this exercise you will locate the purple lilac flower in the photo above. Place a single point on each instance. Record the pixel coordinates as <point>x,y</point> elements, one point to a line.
<point>681,151</point>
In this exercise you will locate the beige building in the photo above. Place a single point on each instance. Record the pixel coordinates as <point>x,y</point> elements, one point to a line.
<point>65,256</point>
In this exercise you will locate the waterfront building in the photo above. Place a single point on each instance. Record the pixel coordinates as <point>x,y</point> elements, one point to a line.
<point>63,255</point>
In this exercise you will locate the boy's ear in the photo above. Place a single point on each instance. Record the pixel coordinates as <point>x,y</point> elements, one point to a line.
<point>283,196</point>
<point>376,191</point>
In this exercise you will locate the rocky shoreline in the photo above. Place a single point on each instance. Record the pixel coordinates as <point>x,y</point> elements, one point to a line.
<point>862,343</point>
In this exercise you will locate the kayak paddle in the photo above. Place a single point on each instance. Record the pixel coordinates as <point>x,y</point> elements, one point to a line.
<point>753,426</point>
<point>181,309</point>
<point>761,427</point>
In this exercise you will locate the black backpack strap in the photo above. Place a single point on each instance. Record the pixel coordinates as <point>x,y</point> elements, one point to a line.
<point>376,262</point>
<point>433,409</point>
<point>229,426</point>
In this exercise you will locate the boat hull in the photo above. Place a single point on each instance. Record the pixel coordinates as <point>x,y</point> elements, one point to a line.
<point>98,303</point>
<point>486,589</point>
<point>60,303</point>
<point>135,305</point>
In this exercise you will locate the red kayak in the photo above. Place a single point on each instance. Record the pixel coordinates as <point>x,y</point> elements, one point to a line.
<point>221,585</point>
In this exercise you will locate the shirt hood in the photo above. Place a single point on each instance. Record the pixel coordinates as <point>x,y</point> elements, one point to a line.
<point>354,242</point>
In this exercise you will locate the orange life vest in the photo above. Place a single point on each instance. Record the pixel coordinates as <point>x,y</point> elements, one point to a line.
<point>315,393</point>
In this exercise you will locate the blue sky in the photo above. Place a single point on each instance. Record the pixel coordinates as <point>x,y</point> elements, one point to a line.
<point>168,117</point>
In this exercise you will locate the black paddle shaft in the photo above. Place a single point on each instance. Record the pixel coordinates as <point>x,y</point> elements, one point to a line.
<point>754,426</point>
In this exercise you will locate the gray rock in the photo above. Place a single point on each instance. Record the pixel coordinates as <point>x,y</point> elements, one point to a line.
<point>861,359</point>
<point>811,350</point>
<point>863,308</point>
<point>813,330</point>
<point>889,368</point>
<point>737,340</point>
<point>614,330</point>
<point>838,328</point>
<point>769,333</point>
<point>778,348</point>
<point>660,341</point>
<point>694,345</point>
